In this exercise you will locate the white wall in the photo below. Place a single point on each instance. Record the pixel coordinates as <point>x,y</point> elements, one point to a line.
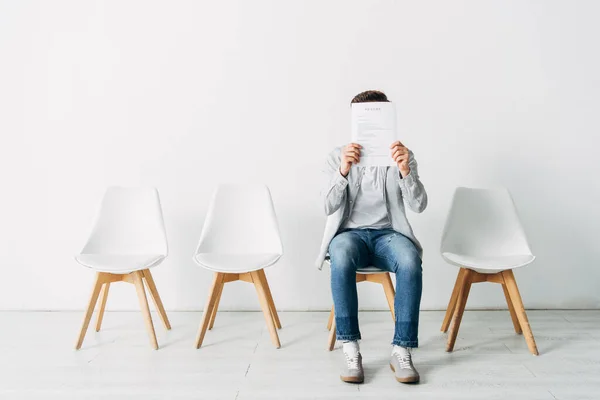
<point>183,95</point>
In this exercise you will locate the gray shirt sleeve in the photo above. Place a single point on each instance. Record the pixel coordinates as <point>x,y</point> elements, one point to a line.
<point>333,189</point>
<point>413,191</point>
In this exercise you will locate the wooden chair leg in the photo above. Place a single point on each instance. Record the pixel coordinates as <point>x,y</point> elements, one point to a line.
<point>216,307</point>
<point>208,309</point>
<point>274,315</point>
<point>511,309</point>
<point>264,304</point>
<point>515,296</point>
<point>465,287</point>
<point>90,310</point>
<point>452,302</point>
<point>331,340</point>
<point>330,319</point>
<point>156,298</point>
<point>390,294</point>
<point>143,300</point>
<point>103,297</point>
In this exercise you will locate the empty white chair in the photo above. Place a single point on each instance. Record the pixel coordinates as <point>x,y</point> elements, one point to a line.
<point>367,274</point>
<point>484,237</point>
<point>240,237</point>
<point>127,240</point>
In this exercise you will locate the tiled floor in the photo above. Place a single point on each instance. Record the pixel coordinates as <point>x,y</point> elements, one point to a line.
<point>238,361</point>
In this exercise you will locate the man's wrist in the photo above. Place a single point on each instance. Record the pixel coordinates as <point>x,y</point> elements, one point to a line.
<point>403,174</point>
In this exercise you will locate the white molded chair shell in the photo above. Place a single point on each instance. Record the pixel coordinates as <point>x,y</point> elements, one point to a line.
<point>483,232</point>
<point>240,233</point>
<point>129,232</point>
<point>366,270</point>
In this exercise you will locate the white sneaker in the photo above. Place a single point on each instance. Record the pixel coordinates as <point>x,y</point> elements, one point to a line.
<point>353,370</point>
<point>402,365</point>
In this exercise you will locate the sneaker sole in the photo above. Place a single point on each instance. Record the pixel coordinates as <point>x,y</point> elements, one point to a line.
<point>414,379</point>
<point>352,379</point>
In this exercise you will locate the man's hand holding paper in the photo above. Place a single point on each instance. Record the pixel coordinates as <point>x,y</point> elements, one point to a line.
<point>401,157</point>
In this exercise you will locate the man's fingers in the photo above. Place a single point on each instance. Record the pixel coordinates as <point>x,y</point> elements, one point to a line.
<point>400,158</point>
<point>399,151</point>
<point>354,145</point>
<point>396,143</point>
<point>352,158</point>
<point>352,153</point>
<point>396,155</point>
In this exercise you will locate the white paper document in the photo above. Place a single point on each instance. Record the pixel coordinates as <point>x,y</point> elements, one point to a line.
<point>374,128</point>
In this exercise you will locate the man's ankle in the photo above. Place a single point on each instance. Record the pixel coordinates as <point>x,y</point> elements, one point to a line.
<point>351,346</point>
<point>401,350</point>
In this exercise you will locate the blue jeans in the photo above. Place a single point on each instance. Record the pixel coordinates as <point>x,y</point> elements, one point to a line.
<point>385,249</point>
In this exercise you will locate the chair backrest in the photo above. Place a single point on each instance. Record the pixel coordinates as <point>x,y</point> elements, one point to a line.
<point>130,221</point>
<point>241,220</point>
<point>484,222</point>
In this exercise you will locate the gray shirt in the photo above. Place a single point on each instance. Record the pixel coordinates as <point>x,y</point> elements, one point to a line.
<point>370,210</point>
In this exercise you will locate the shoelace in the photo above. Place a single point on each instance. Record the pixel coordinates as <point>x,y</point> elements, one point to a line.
<point>404,360</point>
<point>352,361</point>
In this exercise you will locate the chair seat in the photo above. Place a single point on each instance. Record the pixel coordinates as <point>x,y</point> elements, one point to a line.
<point>488,264</point>
<point>367,270</point>
<point>119,263</point>
<point>235,263</point>
<point>370,270</point>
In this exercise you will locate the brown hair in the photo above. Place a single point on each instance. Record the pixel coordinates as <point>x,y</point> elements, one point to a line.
<point>370,96</point>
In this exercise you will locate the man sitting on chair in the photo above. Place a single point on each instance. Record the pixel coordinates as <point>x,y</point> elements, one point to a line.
<point>367,226</point>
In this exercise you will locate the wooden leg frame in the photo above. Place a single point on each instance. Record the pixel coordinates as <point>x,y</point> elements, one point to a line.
<point>259,279</point>
<point>390,293</point>
<point>458,301</point>
<point>137,278</point>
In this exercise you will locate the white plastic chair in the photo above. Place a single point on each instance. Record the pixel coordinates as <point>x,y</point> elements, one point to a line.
<point>367,274</point>
<point>239,239</point>
<point>128,238</point>
<point>484,237</point>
